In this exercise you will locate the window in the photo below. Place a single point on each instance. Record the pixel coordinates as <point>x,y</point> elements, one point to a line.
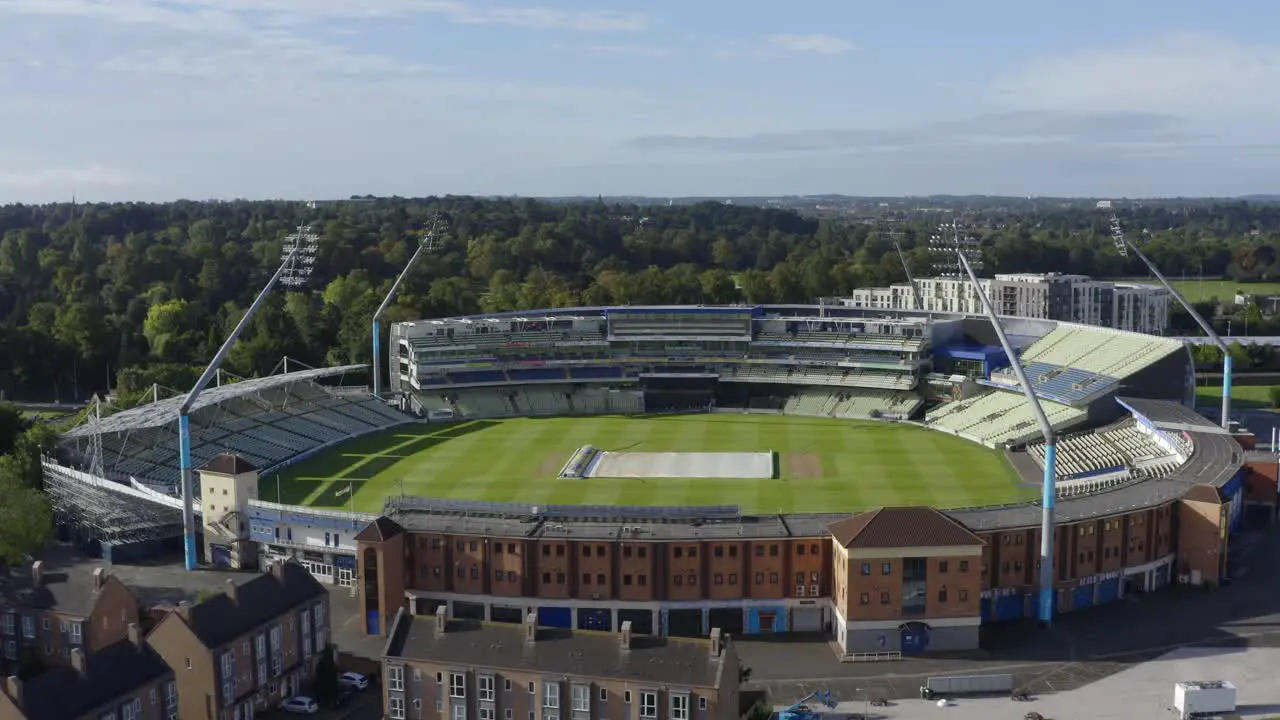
<point>131,710</point>
<point>551,695</point>
<point>866,568</point>
<point>962,595</point>
<point>155,697</point>
<point>581,698</point>
<point>395,707</point>
<point>679,706</point>
<point>76,630</point>
<point>260,651</point>
<point>506,684</point>
<point>884,597</point>
<point>648,704</point>
<point>942,595</point>
<point>395,678</point>
<point>964,566</point>
<point>886,568</point>
<point>604,695</point>
<point>458,711</point>
<point>865,599</point>
<point>942,567</point>
<point>702,702</point>
<point>29,627</point>
<point>626,697</point>
<point>171,701</point>
<point>486,711</point>
<point>228,666</point>
<point>457,685</point>
<point>484,685</point>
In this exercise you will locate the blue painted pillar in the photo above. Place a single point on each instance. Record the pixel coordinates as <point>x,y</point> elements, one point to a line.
<point>1050,494</point>
<point>188,493</point>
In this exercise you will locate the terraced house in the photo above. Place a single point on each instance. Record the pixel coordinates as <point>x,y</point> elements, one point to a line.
<point>126,680</point>
<point>242,651</point>
<point>439,668</point>
<point>53,607</point>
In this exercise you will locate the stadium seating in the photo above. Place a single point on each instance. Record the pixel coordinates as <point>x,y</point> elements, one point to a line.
<point>1000,418</point>
<point>266,429</point>
<point>1122,445</point>
<point>825,376</point>
<point>853,403</point>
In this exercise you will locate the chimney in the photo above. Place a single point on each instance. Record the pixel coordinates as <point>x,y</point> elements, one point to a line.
<point>37,572</point>
<point>77,660</point>
<point>99,578</point>
<point>277,569</point>
<point>626,634</point>
<point>717,642</point>
<point>135,635</point>
<point>184,610</point>
<point>442,619</point>
<point>230,586</point>
<point>531,627</point>
<point>14,686</point>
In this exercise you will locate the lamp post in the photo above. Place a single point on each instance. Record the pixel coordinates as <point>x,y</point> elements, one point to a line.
<point>1123,246</point>
<point>430,242</point>
<point>298,260</point>
<point>966,252</point>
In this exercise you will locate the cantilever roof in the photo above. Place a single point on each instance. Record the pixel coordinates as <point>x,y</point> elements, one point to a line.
<point>166,411</point>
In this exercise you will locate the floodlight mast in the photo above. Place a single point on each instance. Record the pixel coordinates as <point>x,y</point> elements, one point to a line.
<point>430,242</point>
<point>1227,365</point>
<point>902,258</point>
<point>1049,490</point>
<point>295,268</point>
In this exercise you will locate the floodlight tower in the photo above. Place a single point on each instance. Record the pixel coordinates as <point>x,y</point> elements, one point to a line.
<point>893,234</point>
<point>298,260</point>
<point>429,243</point>
<point>1124,245</point>
<point>963,253</point>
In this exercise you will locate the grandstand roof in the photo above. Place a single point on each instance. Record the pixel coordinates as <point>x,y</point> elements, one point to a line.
<point>228,464</point>
<point>166,411</point>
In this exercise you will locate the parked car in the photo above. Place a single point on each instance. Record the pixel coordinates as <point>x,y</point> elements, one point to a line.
<point>300,706</point>
<point>353,680</point>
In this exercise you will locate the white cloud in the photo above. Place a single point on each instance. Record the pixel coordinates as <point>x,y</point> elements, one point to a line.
<point>1188,74</point>
<point>89,178</point>
<point>815,44</point>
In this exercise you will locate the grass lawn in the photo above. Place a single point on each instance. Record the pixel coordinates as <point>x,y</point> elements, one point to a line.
<point>825,465</point>
<point>1242,396</point>
<point>1225,290</point>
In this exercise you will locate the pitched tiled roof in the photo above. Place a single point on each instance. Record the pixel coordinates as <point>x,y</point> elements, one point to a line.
<point>114,672</point>
<point>228,464</point>
<point>902,527</point>
<point>65,586</point>
<point>384,528</point>
<point>1204,494</point>
<point>220,619</point>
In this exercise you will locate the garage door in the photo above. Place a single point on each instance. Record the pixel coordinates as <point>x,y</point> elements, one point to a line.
<point>806,619</point>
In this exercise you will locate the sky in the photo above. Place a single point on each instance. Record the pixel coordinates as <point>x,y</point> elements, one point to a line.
<point>320,99</point>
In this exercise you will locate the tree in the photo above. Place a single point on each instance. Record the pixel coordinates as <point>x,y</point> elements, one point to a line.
<point>1274,395</point>
<point>325,684</point>
<point>26,520</point>
<point>12,425</point>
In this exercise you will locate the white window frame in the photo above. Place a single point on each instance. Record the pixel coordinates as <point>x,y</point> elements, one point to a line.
<point>395,708</point>
<point>581,698</point>
<point>457,686</point>
<point>7,623</point>
<point>486,712</point>
<point>458,711</point>
<point>131,710</point>
<point>395,678</point>
<point>551,695</point>
<point>485,688</point>
<point>77,633</point>
<point>28,627</point>
<point>648,704</point>
<point>679,705</point>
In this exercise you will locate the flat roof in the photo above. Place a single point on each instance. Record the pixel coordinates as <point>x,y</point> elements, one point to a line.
<point>556,652</point>
<point>165,411</point>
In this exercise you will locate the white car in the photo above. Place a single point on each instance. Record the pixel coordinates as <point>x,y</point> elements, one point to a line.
<point>353,680</point>
<point>300,706</point>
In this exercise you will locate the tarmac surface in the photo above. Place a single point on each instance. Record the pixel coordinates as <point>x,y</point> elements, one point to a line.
<point>1081,648</point>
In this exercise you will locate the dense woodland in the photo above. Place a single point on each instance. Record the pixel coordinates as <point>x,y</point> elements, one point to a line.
<point>130,294</point>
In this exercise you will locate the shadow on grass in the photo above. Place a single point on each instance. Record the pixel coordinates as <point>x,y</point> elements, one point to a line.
<point>368,469</point>
<point>338,493</point>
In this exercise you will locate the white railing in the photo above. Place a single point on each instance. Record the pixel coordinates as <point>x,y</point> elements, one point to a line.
<point>872,657</point>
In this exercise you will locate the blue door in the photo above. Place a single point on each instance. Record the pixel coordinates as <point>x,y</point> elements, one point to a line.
<point>221,555</point>
<point>557,617</point>
<point>595,619</point>
<point>372,624</point>
<point>915,639</point>
<point>1082,597</point>
<point>1011,607</point>
<point>986,610</point>
<point>1108,590</point>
